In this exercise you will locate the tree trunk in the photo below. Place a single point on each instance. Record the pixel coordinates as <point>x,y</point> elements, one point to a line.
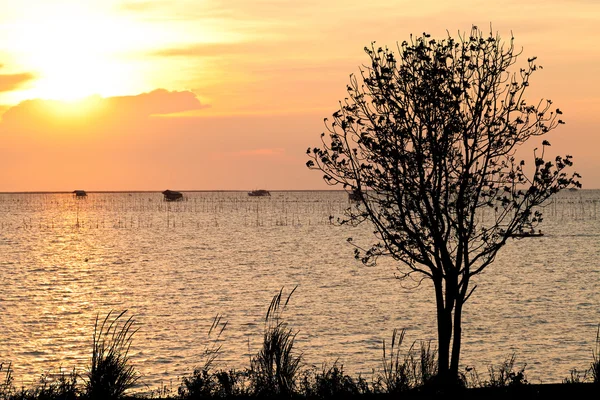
<point>457,338</point>
<point>444,321</point>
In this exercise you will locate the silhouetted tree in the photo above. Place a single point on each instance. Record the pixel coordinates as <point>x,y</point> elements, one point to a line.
<point>427,139</point>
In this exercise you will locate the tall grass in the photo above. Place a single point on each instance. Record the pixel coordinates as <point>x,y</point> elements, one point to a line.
<point>505,375</point>
<point>417,368</point>
<point>274,369</point>
<point>111,373</point>
<point>6,385</point>
<point>595,367</point>
<point>332,382</point>
<point>425,367</point>
<point>204,382</point>
<point>61,386</point>
<point>395,375</point>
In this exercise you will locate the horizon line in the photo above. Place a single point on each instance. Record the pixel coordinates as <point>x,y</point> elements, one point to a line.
<point>161,190</point>
<point>192,191</point>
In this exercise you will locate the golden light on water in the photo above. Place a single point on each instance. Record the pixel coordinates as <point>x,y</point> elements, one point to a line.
<point>170,265</point>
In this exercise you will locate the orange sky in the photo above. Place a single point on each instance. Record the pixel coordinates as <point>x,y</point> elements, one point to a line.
<point>228,94</point>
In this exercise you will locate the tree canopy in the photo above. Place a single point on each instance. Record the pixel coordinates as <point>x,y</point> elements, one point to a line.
<point>427,140</point>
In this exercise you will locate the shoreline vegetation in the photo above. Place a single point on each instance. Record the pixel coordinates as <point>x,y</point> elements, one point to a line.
<point>277,371</point>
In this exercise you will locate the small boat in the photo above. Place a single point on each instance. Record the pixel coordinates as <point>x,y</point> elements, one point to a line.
<point>524,234</point>
<point>259,192</point>
<point>79,194</point>
<point>171,195</point>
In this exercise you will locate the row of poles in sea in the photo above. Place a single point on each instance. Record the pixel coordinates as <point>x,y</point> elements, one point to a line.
<point>172,221</point>
<point>208,212</point>
<point>166,217</point>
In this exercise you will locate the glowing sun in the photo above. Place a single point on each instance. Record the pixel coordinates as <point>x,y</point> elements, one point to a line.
<point>76,51</point>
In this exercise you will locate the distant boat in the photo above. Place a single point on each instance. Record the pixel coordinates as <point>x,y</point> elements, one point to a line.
<point>259,192</point>
<point>524,234</point>
<point>79,194</point>
<point>171,195</point>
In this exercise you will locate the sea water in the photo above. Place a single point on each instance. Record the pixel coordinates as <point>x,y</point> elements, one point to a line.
<point>175,266</point>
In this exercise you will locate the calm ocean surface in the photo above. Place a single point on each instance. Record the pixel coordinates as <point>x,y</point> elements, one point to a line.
<point>175,266</point>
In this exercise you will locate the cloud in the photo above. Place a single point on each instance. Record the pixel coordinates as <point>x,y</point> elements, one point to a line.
<point>262,153</point>
<point>10,82</point>
<point>159,101</point>
<point>141,6</point>
<point>204,50</point>
<point>164,10</point>
<point>98,111</point>
<point>4,108</point>
<point>219,49</point>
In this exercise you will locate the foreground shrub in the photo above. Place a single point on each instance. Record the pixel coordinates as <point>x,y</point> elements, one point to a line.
<point>61,386</point>
<point>332,382</point>
<point>396,372</point>
<point>416,369</point>
<point>576,377</point>
<point>427,365</point>
<point>111,373</point>
<point>595,367</point>
<point>203,382</point>
<point>6,385</point>
<point>506,375</point>
<point>274,370</point>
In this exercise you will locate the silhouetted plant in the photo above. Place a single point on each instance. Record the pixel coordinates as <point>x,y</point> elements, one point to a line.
<point>203,382</point>
<point>396,371</point>
<point>164,391</point>
<point>471,379</point>
<point>595,367</point>
<point>417,368</point>
<point>232,383</point>
<point>427,139</point>
<point>6,385</point>
<point>274,369</point>
<point>426,365</point>
<point>506,375</point>
<point>61,386</point>
<point>111,373</point>
<point>332,382</point>
<point>576,376</point>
